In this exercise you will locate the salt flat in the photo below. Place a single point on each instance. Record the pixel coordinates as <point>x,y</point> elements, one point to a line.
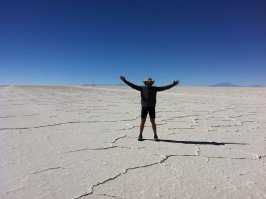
<point>81,142</point>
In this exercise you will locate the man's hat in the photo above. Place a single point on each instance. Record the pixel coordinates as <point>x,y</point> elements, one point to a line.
<point>148,80</point>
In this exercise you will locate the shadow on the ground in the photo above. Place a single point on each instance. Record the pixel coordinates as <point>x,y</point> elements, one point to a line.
<point>198,142</point>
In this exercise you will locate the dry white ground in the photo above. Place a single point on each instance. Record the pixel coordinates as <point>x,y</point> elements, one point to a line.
<point>81,142</point>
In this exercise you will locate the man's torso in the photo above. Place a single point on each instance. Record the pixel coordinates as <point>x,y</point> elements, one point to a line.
<point>148,96</point>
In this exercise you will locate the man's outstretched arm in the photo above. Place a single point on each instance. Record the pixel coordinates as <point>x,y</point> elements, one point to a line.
<point>162,88</point>
<point>130,84</point>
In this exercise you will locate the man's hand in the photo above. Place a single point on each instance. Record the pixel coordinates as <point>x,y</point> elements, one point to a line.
<point>176,82</point>
<point>122,78</point>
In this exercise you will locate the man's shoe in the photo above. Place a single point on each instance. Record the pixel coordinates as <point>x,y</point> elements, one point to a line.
<point>156,138</point>
<point>140,138</point>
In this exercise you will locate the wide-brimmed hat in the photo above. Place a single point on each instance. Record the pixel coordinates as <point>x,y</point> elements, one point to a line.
<point>148,80</point>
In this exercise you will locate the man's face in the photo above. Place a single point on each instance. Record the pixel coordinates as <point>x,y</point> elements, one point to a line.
<point>149,83</point>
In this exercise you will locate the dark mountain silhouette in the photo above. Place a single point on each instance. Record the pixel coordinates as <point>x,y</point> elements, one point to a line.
<point>228,84</point>
<point>119,84</point>
<point>256,86</point>
<point>225,84</point>
<point>97,85</point>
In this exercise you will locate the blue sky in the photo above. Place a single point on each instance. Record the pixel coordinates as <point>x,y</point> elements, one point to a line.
<point>73,42</point>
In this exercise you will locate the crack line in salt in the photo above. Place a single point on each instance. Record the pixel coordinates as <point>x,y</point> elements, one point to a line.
<point>52,168</point>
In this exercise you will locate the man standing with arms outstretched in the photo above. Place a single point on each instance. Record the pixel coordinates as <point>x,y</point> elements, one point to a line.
<point>148,101</point>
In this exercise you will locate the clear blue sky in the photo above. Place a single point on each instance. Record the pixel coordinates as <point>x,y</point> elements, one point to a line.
<point>72,42</point>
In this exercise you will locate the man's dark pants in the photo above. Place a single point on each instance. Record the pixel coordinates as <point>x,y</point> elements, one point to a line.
<point>148,109</point>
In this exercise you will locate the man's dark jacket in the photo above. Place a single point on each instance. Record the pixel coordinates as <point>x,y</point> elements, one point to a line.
<point>148,93</point>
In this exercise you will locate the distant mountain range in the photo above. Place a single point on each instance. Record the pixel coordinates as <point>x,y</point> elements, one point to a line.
<point>228,84</point>
<point>225,84</point>
<point>104,84</point>
<point>222,84</point>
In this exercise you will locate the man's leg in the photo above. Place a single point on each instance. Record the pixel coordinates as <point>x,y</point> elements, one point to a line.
<point>141,127</point>
<point>154,126</point>
<point>152,118</point>
<point>144,113</point>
